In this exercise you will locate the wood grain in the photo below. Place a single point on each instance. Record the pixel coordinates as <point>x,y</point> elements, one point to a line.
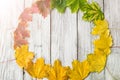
<point>27,4</point>
<point>63,37</point>
<point>10,11</point>
<point>39,41</point>
<point>112,71</point>
<point>58,36</point>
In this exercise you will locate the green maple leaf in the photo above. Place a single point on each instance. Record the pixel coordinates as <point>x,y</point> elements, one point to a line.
<point>60,5</point>
<point>83,4</point>
<point>75,5</point>
<point>93,12</point>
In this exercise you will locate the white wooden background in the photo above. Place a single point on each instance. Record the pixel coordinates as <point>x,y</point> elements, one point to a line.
<point>59,36</point>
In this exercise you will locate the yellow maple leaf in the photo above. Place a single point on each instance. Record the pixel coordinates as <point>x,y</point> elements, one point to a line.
<point>58,72</point>
<point>104,43</point>
<point>100,27</point>
<point>23,56</point>
<point>24,59</point>
<point>30,69</point>
<point>97,61</point>
<point>80,70</point>
<point>38,69</point>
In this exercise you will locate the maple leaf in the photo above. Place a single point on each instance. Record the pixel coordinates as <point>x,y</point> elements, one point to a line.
<point>100,27</point>
<point>34,8</point>
<point>23,56</point>
<point>30,69</point>
<point>18,42</point>
<point>80,70</point>
<point>23,24</point>
<point>104,43</point>
<point>60,5</point>
<point>44,7</point>
<point>26,15</point>
<point>75,5</point>
<point>22,31</point>
<point>57,72</point>
<point>24,59</point>
<point>38,69</point>
<point>92,12</point>
<point>97,61</point>
<point>20,34</point>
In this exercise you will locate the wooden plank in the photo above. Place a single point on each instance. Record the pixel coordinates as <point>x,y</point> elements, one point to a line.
<point>99,76</point>
<point>112,71</point>
<point>85,45</point>
<point>70,36</point>
<point>112,15</point>
<point>27,4</point>
<point>63,37</point>
<point>10,11</point>
<point>84,39</point>
<point>40,37</point>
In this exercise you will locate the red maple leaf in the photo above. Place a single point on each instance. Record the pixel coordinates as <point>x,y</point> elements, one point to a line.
<point>26,15</point>
<point>21,34</point>
<point>34,8</point>
<point>44,7</point>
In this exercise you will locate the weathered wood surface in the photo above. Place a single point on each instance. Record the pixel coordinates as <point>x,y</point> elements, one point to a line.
<point>59,36</point>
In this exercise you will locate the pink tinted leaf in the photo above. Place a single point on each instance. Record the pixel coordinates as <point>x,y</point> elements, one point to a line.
<point>20,35</point>
<point>23,23</point>
<point>26,15</point>
<point>34,8</point>
<point>44,7</point>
